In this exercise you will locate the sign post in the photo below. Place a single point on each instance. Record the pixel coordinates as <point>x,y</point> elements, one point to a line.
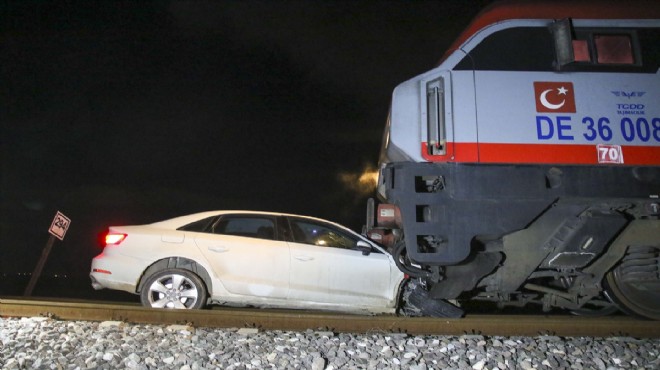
<point>58,228</point>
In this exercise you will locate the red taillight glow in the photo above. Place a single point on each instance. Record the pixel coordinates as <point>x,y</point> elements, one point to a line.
<point>114,238</point>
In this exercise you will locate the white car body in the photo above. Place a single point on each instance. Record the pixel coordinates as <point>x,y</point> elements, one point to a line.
<point>271,270</point>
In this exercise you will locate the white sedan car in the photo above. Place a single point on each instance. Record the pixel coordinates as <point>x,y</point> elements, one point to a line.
<point>246,258</point>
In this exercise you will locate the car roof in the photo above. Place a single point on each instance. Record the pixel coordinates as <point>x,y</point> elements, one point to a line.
<point>177,222</point>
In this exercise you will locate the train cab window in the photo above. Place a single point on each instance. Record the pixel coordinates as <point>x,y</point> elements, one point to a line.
<point>605,49</point>
<point>565,48</point>
<point>512,49</point>
<point>614,49</point>
<point>581,51</point>
<point>601,49</point>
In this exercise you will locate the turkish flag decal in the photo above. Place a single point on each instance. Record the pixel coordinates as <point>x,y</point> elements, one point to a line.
<point>554,97</point>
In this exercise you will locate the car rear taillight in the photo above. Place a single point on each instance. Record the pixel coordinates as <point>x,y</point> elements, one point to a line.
<point>111,238</point>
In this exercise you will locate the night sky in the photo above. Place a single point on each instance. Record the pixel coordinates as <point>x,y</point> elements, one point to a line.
<point>119,113</point>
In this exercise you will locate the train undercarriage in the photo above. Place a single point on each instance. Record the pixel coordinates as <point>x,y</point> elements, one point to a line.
<point>557,237</point>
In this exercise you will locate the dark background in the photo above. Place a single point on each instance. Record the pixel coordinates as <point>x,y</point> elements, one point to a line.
<point>126,112</point>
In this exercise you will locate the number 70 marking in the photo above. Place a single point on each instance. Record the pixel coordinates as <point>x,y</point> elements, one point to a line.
<point>609,153</point>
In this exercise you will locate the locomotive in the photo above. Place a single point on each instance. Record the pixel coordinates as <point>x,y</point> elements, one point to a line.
<point>525,167</point>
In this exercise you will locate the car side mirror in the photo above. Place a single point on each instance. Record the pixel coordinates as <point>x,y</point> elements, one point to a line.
<point>364,247</point>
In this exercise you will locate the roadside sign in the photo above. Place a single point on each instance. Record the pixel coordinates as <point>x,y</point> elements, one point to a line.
<point>57,230</point>
<point>59,226</point>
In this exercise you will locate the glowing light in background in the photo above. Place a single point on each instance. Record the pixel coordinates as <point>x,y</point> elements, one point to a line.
<point>361,183</point>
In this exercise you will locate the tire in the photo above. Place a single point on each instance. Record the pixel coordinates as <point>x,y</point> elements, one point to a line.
<point>175,289</point>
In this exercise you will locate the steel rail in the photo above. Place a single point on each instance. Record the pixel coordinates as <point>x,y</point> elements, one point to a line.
<point>271,319</point>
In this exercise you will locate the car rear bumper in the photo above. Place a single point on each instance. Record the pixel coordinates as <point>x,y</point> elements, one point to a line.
<point>115,272</point>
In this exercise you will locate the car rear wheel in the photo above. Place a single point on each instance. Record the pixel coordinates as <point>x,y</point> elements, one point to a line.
<point>174,288</point>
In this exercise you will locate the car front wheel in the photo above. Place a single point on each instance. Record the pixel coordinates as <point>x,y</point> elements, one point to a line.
<point>174,288</point>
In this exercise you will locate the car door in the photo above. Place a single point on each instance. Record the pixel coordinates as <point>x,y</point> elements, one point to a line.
<point>326,267</point>
<point>246,255</point>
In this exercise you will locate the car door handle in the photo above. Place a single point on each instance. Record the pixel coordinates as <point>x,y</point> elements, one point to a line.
<point>303,258</point>
<point>218,249</point>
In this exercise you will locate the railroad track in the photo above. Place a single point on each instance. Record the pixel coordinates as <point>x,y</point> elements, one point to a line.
<point>266,319</point>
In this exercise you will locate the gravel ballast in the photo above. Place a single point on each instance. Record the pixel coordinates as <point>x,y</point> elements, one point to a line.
<point>44,343</point>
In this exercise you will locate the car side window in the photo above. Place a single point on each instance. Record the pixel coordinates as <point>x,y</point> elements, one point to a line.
<point>200,226</point>
<point>322,235</point>
<point>247,226</point>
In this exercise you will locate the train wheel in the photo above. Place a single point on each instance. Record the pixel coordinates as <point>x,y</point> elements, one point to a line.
<point>635,284</point>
